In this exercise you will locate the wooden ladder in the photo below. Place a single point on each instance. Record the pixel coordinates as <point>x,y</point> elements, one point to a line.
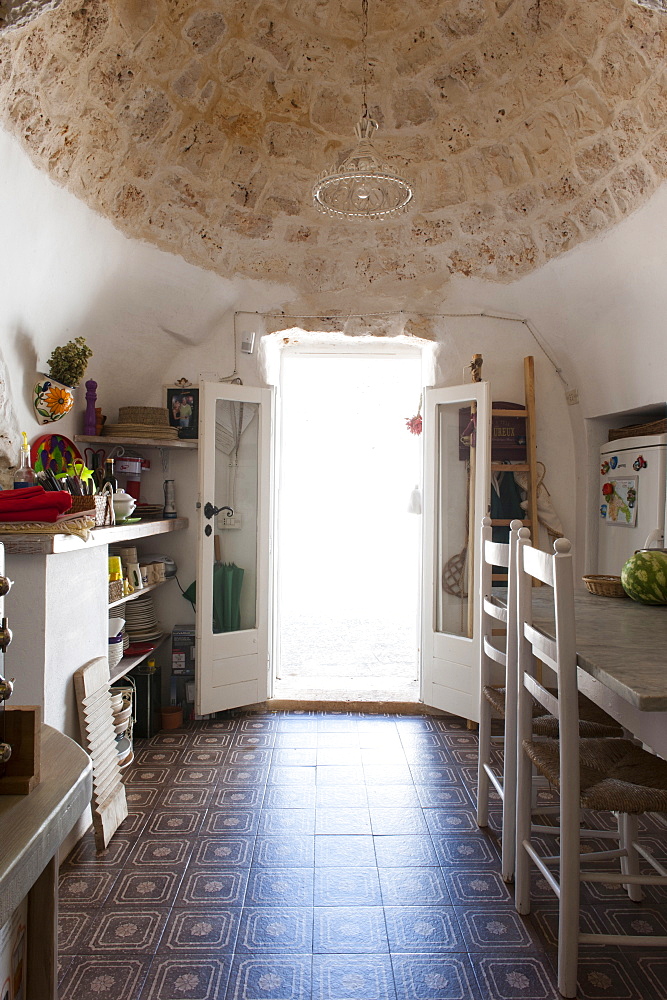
<point>530,465</point>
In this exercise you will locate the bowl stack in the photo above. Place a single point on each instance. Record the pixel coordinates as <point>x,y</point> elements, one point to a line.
<point>121,707</point>
<point>116,626</point>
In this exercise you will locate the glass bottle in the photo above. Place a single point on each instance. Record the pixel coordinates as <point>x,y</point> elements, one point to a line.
<point>24,475</point>
<point>109,475</point>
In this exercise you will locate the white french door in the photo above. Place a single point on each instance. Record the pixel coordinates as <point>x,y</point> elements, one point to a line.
<point>233,565</point>
<point>456,442</point>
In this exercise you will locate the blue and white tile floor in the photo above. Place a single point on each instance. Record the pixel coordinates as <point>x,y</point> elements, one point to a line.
<point>314,856</point>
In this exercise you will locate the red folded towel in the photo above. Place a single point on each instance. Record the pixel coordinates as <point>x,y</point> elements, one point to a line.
<point>9,496</point>
<point>37,506</point>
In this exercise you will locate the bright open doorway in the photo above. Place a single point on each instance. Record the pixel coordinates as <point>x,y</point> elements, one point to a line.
<point>348,550</point>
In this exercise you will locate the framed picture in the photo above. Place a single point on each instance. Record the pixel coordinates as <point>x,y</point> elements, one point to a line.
<point>183,407</point>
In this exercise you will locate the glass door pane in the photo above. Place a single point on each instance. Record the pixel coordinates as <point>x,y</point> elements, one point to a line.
<point>454,515</point>
<point>236,486</point>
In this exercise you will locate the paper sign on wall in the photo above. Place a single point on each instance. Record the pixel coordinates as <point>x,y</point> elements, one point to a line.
<point>619,501</point>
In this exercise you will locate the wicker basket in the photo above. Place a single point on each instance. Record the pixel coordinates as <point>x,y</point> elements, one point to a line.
<point>605,586</point>
<point>156,415</point>
<point>98,507</point>
<point>637,430</point>
<point>115,590</point>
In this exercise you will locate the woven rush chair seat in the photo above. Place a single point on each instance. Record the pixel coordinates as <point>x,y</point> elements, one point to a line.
<point>593,721</point>
<point>615,775</point>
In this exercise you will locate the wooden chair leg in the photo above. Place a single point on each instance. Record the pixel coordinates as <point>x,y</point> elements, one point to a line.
<point>483,782</point>
<point>523,817</point>
<point>570,891</point>
<point>628,828</point>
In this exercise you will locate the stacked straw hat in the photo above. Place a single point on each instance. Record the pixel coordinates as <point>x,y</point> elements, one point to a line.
<point>143,422</point>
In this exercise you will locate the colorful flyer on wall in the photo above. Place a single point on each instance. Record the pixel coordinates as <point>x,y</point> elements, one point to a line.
<point>619,501</point>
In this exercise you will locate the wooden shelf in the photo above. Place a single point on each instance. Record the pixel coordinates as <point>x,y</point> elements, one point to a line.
<point>140,593</point>
<point>509,467</point>
<point>45,544</point>
<point>114,439</point>
<point>128,663</point>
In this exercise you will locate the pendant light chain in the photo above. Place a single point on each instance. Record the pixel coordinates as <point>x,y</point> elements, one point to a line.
<point>364,55</point>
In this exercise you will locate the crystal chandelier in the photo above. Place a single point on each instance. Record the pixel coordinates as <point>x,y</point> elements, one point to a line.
<point>362,187</point>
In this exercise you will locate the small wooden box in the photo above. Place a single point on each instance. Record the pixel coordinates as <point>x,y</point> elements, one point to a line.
<point>23,727</point>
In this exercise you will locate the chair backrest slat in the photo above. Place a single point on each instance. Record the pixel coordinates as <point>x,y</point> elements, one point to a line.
<point>544,648</point>
<point>498,655</point>
<point>539,565</point>
<point>540,693</point>
<point>497,553</point>
<point>493,608</point>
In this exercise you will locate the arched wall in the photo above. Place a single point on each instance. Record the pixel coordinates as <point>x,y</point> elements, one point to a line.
<point>151,317</point>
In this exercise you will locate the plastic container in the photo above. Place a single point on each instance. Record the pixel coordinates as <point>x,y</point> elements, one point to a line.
<point>172,716</point>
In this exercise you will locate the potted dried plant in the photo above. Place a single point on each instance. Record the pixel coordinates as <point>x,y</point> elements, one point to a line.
<point>54,393</point>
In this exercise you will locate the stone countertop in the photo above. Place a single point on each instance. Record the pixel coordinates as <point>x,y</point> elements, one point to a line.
<point>620,642</point>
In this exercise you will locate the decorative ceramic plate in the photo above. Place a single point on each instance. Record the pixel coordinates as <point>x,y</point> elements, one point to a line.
<point>54,452</point>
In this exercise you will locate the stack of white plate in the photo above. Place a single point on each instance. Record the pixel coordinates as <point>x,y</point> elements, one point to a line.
<point>141,622</point>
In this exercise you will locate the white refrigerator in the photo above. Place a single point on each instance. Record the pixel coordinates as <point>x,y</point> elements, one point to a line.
<point>631,499</point>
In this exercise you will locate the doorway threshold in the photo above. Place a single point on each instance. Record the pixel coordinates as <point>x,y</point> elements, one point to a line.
<point>363,707</point>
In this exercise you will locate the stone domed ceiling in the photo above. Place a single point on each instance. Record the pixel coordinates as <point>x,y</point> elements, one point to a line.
<point>526,126</point>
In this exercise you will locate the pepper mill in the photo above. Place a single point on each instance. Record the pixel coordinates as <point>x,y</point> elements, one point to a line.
<point>90,420</point>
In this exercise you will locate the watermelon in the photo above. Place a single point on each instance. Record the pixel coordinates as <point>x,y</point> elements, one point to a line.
<point>644,576</point>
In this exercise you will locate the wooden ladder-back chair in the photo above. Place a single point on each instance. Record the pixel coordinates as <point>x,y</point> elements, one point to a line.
<point>498,662</point>
<point>498,655</point>
<point>600,774</point>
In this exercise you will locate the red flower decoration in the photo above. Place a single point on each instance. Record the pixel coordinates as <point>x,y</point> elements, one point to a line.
<point>607,489</point>
<point>414,424</point>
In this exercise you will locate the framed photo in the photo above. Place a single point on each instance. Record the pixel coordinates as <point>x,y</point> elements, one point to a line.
<point>183,407</point>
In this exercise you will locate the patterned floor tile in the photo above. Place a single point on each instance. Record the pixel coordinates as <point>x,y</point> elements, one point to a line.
<point>467,850</point>
<point>450,820</point>
<point>129,930</point>
<point>393,797</point>
<point>608,976</point>
<point>386,821</point>
<point>204,930</point>
<point>505,977</point>
<point>85,854</point>
<point>346,887</point>
<point>214,887</point>
<point>342,821</point>
<point>405,851</point>
<point>342,756</point>
<point>297,757</point>
<point>413,887</point>
<point>143,796</point>
<point>473,887</point>
<point>341,797</point>
<point>225,851</point>
<point>281,775</point>
<point>183,798</point>
<point>279,977</point>
<point>146,887</point>
<point>88,889</point>
<point>290,797</point>
<point>387,774</point>
<point>231,820</point>
<point>414,929</point>
<point>103,976</point>
<point>282,887</point>
<point>436,796</point>
<point>198,756</point>
<point>175,821</point>
<point>187,978</point>
<point>233,797</point>
<point>157,756</point>
<point>339,930</point>
<point>74,930</point>
<point>297,851</point>
<point>339,851</point>
<point>274,822</point>
<point>352,977</point>
<point>275,930</point>
<point>653,968</point>
<point>434,977</point>
<point>497,929</point>
<point>162,850</point>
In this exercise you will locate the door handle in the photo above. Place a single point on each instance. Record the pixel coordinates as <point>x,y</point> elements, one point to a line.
<point>210,511</point>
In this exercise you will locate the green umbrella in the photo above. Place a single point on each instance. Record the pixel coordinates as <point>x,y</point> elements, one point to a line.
<point>227,583</point>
